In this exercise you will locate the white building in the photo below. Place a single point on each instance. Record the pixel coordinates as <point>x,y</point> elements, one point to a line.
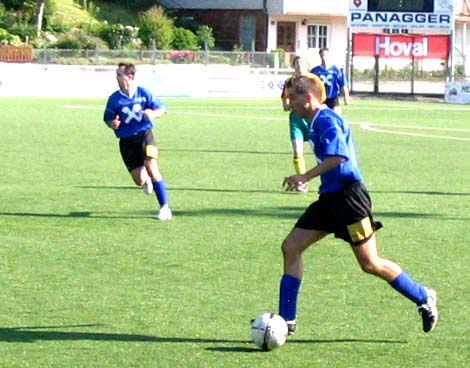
<point>296,26</point>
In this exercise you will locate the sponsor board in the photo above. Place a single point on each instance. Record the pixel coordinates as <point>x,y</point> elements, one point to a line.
<point>430,15</point>
<point>457,92</point>
<point>401,46</point>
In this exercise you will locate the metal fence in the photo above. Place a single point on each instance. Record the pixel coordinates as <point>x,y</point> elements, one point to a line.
<point>152,57</point>
<point>408,77</point>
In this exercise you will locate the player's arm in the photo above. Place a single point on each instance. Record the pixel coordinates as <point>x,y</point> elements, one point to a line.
<point>346,96</point>
<point>344,87</point>
<point>285,97</point>
<point>154,108</point>
<point>114,123</point>
<point>329,163</point>
<point>155,113</point>
<point>110,117</point>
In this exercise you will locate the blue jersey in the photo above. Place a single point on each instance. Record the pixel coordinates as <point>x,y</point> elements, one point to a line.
<point>130,111</point>
<point>333,78</point>
<point>330,135</point>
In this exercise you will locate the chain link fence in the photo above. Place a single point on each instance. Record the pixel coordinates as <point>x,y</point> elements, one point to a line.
<point>153,57</point>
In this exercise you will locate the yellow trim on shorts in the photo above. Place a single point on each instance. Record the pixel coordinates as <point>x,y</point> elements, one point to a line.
<point>151,151</point>
<point>360,230</point>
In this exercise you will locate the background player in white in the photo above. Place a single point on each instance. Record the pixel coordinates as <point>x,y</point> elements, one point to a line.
<point>129,112</point>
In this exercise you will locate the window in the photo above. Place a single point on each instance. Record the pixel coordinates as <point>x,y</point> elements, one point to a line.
<point>247,31</point>
<point>317,36</point>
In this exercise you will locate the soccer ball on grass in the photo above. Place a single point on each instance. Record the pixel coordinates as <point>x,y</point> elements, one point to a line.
<point>269,331</point>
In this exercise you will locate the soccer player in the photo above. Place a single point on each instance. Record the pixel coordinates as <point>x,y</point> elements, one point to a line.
<point>343,209</point>
<point>129,112</point>
<point>298,126</point>
<point>334,79</point>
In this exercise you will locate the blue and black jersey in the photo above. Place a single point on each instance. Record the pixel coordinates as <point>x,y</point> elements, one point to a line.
<point>333,78</point>
<point>130,110</point>
<point>330,135</point>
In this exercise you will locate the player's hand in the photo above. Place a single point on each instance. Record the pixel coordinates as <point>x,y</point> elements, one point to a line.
<point>115,123</point>
<point>292,182</point>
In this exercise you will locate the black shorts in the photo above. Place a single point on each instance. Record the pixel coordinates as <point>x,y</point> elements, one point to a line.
<point>347,214</point>
<point>135,149</point>
<point>332,102</point>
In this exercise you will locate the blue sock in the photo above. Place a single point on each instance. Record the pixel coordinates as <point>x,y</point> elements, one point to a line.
<point>408,287</point>
<point>160,192</point>
<point>288,293</point>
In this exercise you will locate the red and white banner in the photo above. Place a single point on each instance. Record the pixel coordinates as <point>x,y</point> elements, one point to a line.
<point>401,46</point>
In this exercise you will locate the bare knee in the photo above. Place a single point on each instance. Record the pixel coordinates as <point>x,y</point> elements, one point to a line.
<point>289,248</point>
<point>369,267</point>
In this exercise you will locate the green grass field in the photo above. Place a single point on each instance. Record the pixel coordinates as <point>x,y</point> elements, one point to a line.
<point>90,279</point>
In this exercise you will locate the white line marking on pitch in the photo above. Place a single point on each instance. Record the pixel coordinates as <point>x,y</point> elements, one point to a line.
<point>367,126</point>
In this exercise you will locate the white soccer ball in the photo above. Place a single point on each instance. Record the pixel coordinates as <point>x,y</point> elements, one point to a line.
<point>269,331</point>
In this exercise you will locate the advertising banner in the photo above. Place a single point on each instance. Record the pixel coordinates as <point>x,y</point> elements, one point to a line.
<point>412,15</point>
<point>401,46</point>
<point>457,92</point>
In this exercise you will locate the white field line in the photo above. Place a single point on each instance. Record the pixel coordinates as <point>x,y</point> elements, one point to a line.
<point>363,125</point>
<point>367,126</point>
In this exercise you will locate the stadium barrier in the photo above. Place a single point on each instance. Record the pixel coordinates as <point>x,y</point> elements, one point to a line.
<point>170,80</point>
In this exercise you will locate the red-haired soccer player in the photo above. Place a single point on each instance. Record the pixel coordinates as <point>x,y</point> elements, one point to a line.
<point>343,208</point>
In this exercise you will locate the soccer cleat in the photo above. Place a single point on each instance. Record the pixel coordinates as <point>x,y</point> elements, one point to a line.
<point>164,214</point>
<point>291,327</point>
<point>148,186</point>
<point>428,311</point>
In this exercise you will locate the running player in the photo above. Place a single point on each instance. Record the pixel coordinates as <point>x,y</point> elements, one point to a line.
<point>129,112</point>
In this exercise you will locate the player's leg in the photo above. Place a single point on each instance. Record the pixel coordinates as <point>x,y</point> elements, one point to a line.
<point>142,179</point>
<point>292,248</point>
<point>370,262</point>
<point>297,139</point>
<point>159,185</point>
<point>134,160</point>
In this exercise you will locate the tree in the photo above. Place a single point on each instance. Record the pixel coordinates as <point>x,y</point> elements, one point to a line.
<point>155,26</point>
<point>205,36</point>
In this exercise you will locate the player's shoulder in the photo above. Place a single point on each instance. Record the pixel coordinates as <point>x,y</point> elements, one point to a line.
<point>144,91</point>
<point>317,69</point>
<point>328,117</point>
<point>114,96</point>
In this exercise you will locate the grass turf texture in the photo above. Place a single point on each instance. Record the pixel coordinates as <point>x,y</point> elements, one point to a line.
<point>90,279</point>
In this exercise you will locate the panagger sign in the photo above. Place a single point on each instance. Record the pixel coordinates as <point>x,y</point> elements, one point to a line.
<point>401,46</point>
<point>411,15</point>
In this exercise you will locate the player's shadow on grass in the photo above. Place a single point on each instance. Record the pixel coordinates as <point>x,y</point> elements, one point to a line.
<point>434,193</point>
<point>170,189</point>
<point>240,349</point>
<point>49,333</point>
<point>34,334</point>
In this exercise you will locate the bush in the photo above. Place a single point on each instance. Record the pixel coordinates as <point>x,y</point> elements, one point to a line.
<point>154,25</point>
<point>185,40</point>
<point>8,38</point>
<point>23,30</point>
<point>77,39</point>
<point>118,36</point>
